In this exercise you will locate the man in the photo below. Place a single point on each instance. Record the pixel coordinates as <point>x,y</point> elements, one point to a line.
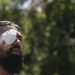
<point>10,48</point>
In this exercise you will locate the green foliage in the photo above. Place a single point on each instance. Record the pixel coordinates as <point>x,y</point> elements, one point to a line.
<point>48,37</point>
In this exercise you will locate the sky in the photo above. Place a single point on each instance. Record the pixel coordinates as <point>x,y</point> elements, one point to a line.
<point>26,4</point>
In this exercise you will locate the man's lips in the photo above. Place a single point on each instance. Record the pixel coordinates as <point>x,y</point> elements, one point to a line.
<point>16,51</point>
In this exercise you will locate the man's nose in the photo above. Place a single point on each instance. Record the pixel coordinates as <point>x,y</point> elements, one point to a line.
<point>18,41</point>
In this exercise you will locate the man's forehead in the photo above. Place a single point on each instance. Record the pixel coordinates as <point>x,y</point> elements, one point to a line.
<point>6,28</point>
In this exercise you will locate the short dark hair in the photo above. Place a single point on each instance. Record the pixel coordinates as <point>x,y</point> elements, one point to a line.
<point>9,23</point>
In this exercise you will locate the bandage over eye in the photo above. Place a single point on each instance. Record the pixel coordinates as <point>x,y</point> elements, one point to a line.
<point>9,36</point>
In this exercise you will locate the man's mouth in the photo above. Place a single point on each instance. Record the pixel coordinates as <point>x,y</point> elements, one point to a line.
<point>16,50</point>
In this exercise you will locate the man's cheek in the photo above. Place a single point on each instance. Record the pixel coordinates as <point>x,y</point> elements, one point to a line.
<point>21,45</point>
<point>4,48</point>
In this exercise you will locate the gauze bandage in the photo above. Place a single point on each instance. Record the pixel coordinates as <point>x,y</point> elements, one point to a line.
<point>9,36</point>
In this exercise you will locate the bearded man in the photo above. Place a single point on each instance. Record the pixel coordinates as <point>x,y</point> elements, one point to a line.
<point>10,48</point>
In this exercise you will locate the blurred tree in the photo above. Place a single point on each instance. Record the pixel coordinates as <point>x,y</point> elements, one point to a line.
<point>48,35</point>
<point>58,62</point>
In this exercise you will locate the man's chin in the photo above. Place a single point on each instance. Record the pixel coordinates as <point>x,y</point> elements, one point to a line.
<point>13,61</point>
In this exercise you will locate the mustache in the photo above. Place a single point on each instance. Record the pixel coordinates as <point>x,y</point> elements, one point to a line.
<point>15,49</point>
<point>16,46</point>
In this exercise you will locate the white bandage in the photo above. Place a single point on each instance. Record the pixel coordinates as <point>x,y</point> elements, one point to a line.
<point>9,36</point>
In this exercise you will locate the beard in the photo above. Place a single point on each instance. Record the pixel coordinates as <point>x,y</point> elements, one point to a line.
<point>12,62</point>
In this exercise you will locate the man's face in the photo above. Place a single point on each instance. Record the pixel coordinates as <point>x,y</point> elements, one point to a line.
<point>10,39</point>
<point>10,49</point>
